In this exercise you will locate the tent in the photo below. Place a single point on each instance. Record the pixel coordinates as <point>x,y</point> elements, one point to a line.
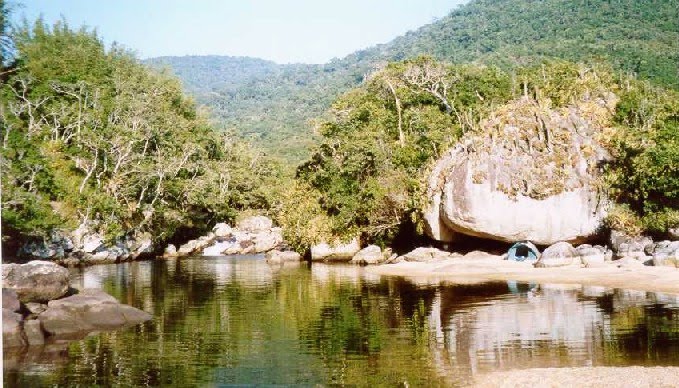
<point>523,250</point>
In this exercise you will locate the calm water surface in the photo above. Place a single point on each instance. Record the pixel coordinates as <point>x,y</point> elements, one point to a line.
<point>237,320</point>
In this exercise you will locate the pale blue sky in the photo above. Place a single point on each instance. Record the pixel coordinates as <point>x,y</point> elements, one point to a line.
<point>308,31</point>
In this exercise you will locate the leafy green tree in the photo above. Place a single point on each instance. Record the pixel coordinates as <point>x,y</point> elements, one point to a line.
<point>90,135</point>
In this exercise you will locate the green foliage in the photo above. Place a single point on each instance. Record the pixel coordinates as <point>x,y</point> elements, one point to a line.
<point>378,148</point>
<point>645,174</point>
<point>274,105</point>
<point>92,135</point>
<point>384,135</point>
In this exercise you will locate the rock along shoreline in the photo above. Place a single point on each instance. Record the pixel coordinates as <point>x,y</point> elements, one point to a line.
<point>476,267</point>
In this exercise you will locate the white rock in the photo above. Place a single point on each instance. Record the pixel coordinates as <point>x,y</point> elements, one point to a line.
<point>92,242</point>
<point>325,251</point>
<point>372,254</point>
<point>222,230</point>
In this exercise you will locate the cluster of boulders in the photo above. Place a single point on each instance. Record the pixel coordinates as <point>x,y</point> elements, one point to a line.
<point>624,251</point>
<point>251,235</point>
<point>86,246</point>
<point>38,304</point>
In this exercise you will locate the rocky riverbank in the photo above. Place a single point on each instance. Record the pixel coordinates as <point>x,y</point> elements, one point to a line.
<point>39,307</point>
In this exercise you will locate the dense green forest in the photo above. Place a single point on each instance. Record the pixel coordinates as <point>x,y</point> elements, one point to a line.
<point>368,175</point>
<point>91,135</point>
<point>276,106</point>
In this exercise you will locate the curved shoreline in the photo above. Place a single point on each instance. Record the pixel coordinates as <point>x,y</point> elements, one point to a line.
<point>478,267</point>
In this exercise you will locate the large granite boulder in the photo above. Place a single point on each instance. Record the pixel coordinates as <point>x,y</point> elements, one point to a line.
<point>89,310</point>
<point>530,174</point>
<point>592,256</point>
<point>341,251</point>
<point>372,254</point>
<point>12,329</point>
<point>560,254</point>
<point>36,281</point>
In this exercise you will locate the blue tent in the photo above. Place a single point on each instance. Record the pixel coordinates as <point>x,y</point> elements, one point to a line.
<point>523,250</point>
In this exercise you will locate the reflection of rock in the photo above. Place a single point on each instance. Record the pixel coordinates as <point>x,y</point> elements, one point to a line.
<point>12,332</point>
<point>33,332</point>
<point>371,254</point>
<point>558,255</point>
<point>36,281</point>
<point>344,251</point>
<point>89,310</point>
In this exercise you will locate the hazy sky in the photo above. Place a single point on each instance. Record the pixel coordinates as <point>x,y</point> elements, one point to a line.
<point>309,31</point>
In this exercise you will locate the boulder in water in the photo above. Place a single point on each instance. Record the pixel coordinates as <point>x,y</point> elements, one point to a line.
<point>36,281</point>
<point>89,310</point>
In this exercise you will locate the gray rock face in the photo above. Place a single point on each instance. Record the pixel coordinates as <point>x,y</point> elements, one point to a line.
<point>665,254</point>
<point>591,256</point>
<point>627,246</point>
<point>36,281</point>
<point>33,332</point>
<point>426,255</point>
<point>276,256</point>
<point>222,229</point>
<point>89,310</point>
<point>12,330</point>
<point>10,300</point>
<point>528,176</point>
<point>560,254</point>
<point>345,251</point>
<point>372,254</point>
<point>674,234</point>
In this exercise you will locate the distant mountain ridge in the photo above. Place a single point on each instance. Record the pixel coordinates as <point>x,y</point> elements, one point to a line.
<point>272,105</point>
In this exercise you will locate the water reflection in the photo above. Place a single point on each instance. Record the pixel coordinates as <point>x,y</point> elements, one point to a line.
<point>242,321</point>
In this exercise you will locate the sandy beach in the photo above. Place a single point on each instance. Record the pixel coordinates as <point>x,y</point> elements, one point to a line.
<point>478,267</point>
<point>635,376</point>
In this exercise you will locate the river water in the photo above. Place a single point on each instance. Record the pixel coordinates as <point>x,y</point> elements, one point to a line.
<point>239,321</point>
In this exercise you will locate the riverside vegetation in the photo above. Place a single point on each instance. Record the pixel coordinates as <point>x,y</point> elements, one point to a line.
<point>92,137</point>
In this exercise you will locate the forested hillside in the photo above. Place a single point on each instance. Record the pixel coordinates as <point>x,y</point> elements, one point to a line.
<point>271,105</point>
<point>91,136</point>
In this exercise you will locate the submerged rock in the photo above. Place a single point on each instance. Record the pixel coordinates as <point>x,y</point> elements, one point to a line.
<point>36,281</point>
<point>558,255</point>
<point>528,176</point>
<point>89,310</point>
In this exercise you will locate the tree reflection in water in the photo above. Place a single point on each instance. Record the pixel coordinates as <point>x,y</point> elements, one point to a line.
<point>240,321</point>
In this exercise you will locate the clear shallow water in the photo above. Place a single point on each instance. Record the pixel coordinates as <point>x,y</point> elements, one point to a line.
<point>237,320</point>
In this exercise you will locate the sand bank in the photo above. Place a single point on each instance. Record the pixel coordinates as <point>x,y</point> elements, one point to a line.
<point>481,267</point>
<point>635,376</point>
